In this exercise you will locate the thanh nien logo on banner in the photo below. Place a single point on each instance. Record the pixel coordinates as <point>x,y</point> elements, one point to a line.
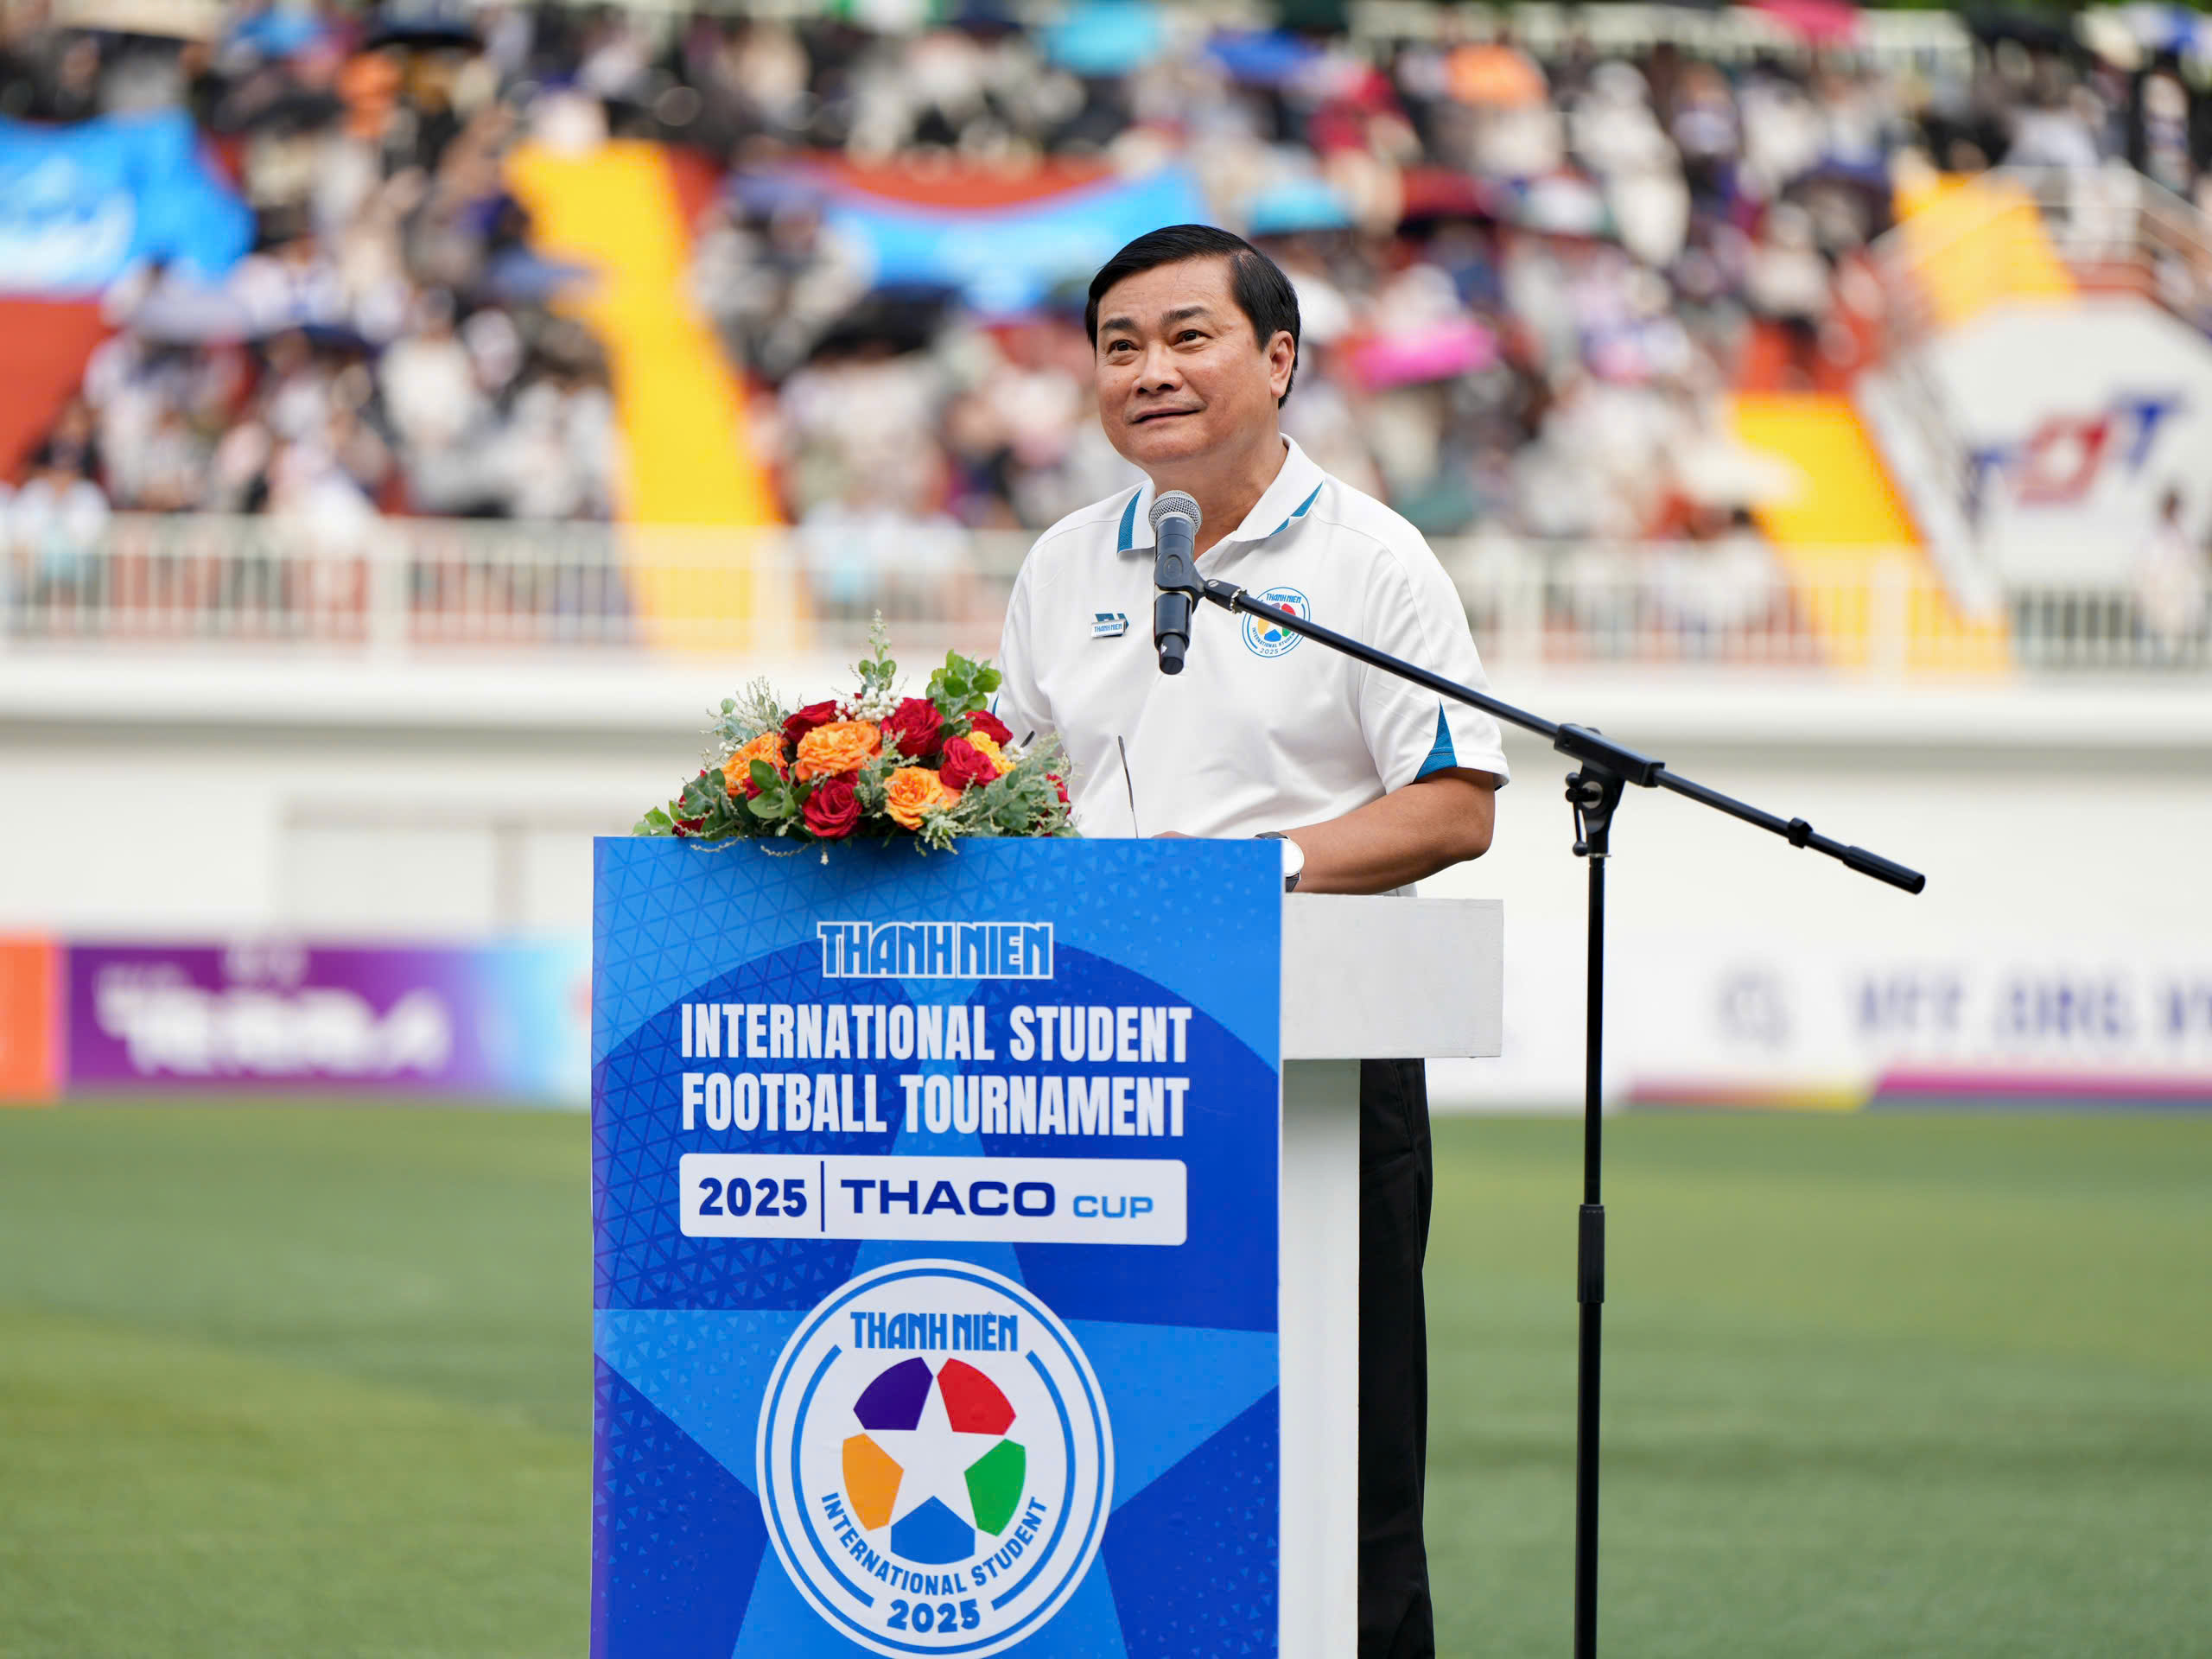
<point>936,1466</point>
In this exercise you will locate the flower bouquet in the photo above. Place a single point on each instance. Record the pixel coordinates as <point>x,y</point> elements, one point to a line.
<point>871,765</point>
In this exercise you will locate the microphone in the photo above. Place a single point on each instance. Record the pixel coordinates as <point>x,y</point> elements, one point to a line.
<point>1175,520</point>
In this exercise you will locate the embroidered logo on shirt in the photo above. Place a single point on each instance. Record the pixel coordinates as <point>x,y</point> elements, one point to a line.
<point>1108,625</point>
<point>1261,637</point>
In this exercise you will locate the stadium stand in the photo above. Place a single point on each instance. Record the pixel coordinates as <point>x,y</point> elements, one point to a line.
<point>1615,305</point>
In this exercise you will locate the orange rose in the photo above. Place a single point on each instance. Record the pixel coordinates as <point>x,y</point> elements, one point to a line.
<point>841,745</point>
<point>915,791</point>
<point>737,770</point>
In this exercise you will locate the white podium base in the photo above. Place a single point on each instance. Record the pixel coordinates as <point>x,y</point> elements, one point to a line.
<point>1319,1314</point>
<point>1420,978</point>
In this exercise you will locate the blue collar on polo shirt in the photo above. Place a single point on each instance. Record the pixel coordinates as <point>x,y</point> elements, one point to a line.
<point>1288,499</point>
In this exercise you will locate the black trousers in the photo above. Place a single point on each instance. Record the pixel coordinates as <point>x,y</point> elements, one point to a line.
<point>1397,1177</point>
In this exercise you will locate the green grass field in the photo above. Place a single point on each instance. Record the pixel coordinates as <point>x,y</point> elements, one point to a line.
<point>316,1382</point>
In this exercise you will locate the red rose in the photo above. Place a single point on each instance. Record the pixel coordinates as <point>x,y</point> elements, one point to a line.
<point>991,726</point>
<point>832,809</point>
<point>814,714</point>
<point>917,728</point>
<point>1053,779</point>
<point>691,826</point>
<point>965,763</point>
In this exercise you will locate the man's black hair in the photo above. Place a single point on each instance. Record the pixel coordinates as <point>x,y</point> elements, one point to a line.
<point>1263,292</point>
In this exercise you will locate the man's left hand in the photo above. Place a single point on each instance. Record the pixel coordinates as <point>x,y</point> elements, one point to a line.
<point>1410,834</point>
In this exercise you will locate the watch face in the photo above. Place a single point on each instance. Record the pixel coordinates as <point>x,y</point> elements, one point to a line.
<point>1294,863</point>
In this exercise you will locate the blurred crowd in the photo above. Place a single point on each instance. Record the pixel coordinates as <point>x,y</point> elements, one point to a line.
<point>388,344</point>
<point>1526,278</point>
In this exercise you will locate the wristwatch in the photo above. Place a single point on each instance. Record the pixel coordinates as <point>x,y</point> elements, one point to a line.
<point>1293,858</point>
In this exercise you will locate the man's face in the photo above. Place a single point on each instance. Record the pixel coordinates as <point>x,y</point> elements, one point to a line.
<point>1180,374</point>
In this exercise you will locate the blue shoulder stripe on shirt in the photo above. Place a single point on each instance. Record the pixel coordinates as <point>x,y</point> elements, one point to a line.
<point>1127,537</point>
<point>1442,757</point>
<point>1298,512</point>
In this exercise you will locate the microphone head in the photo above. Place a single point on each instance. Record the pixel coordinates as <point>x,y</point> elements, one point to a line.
<point>1176,504</point>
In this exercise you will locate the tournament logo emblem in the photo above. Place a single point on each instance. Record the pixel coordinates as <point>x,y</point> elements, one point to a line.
<point>1263,637</point>
<point>935,1467</point>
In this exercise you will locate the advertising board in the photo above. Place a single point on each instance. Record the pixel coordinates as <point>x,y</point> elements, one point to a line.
<point>278,1016</point>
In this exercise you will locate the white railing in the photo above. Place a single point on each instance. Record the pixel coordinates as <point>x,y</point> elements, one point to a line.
<point>1927,40</point>
<point>2117,230</point>
<point>430,590</point>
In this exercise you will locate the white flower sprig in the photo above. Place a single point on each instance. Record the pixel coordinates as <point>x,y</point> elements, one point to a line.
<point>874,705</point>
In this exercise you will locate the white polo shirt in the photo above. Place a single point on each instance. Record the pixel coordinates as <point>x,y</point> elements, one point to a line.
<point>1262,730</point>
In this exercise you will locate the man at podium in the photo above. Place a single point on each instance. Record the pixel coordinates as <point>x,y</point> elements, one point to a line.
<point>1371,783</point>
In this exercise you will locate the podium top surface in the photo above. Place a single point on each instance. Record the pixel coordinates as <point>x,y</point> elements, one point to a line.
<point>1392,978</point>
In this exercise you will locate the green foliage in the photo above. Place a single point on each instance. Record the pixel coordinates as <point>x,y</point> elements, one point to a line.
<point>877,672</point>
<point>743,717</point>
<point>962,686</point>
<point>1022,803</point>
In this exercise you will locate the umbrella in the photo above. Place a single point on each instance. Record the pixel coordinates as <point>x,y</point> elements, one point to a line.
<point>1434,351</point>
<point>428,25</point>
<point>1105,38</point>
<point>987,18</point>
<point>2159,28</point>
<point>160,20</point>
<point>1296,206</point>
<point>288,113</point>
<point>279,32</point>
<point>2032,29</point>
<point>1445,192</point>
<point>330,337</point>
<point>1820,23</point>
<point>1262,59</point>
<point>903,316</point>
<point>522,277</point>
<point>764,195</point>
<point>1495,76</point>
<point>178,310</point>
<point>2106,34</point>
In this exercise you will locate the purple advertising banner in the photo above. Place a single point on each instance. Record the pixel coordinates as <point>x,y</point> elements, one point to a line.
<point>509,1022</point>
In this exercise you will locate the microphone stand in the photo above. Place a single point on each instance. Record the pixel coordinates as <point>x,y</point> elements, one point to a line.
<point>1604,769</point>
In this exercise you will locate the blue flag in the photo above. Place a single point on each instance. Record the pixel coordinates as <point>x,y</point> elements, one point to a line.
<point>1005,259</point>
<point>80,205</point>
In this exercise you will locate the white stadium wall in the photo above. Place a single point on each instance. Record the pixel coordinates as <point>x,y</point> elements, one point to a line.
<point>2066,914</point>
<point>2063,909</point>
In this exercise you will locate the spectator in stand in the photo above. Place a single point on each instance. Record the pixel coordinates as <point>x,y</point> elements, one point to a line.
<point>2169,578</point>
<point>55,521</point>
<point>775,279</point>
<point>1789,282</point>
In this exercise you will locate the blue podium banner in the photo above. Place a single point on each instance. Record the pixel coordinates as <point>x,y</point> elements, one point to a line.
<point>934,1204</point>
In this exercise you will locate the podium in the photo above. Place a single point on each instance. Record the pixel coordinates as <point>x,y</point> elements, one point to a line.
<point>1362,978</point>
<point>975,1242</point>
